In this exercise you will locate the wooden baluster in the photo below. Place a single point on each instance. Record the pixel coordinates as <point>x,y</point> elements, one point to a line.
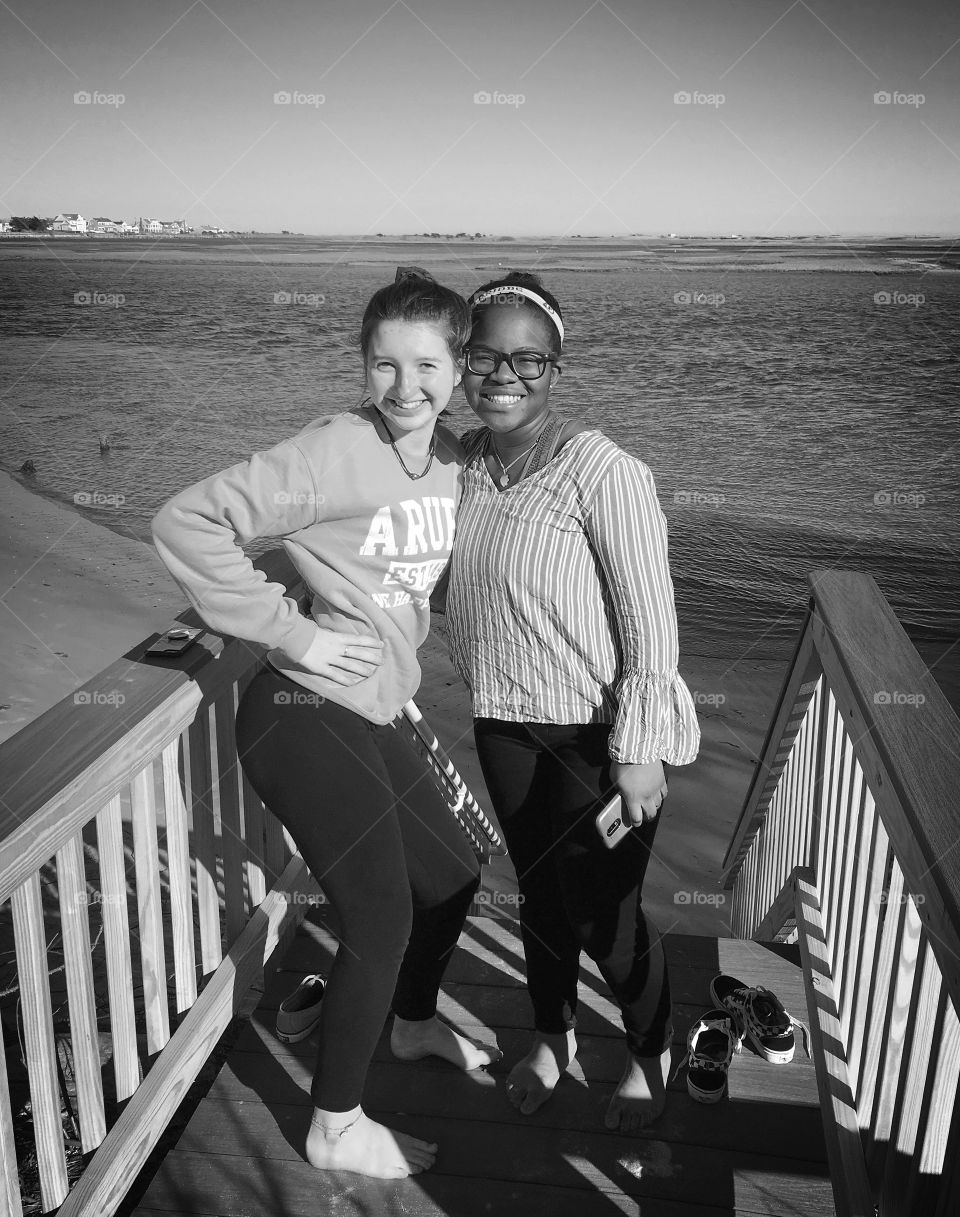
<point>149,917</point>
<point>916,1082</point>
<point>178,867</point>
<point>9,1179</point>
<point>75,926</point>
<point>41,1052</point>
<point>232,844</point>
<point>116,934</point>
<point>935,1172</point>
<point>204,846</point>
<point>868,925</point>
<point>894,1026</point>
<point>852,845</point>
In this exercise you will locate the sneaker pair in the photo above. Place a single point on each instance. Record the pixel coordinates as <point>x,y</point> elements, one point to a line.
<point>740,1012</point>
<point>300,1012</point>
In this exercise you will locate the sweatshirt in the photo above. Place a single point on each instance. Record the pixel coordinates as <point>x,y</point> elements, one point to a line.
<point>369,541</point>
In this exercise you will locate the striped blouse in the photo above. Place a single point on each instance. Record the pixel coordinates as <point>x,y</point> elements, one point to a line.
<point>560,602</point>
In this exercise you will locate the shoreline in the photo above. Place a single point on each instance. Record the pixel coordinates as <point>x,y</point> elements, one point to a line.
<point>81,594</point>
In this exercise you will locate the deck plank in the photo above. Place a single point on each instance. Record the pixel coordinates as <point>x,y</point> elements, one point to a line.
<point>760,1151</point>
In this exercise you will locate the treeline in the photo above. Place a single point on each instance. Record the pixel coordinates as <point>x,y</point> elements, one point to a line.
<point>28,224</point>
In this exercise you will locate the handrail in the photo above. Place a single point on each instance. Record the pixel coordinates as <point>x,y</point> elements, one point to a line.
<point>144,756</point>
<point>853,810</point>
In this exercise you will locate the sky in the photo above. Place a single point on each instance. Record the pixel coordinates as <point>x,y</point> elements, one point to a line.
<point>550,117</point>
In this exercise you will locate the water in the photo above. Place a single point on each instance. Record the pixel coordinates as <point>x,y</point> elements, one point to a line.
<point>794,424</point>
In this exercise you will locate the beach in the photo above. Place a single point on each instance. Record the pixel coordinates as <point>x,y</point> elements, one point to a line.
<point>78,595</point>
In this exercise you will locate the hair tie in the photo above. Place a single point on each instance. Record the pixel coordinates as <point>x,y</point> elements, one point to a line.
<point>492,293</point>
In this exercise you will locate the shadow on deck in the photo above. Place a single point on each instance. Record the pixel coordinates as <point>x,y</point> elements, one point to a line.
<point>759,1151</point>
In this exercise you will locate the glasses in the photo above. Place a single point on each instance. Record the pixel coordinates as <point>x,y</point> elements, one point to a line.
<point>528,365</point>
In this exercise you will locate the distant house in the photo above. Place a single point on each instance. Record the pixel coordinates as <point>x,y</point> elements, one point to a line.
<point>173,228</point>
<point>69,221</point>
<point>5,226</point>
<point>102,225</point>
<point>125,228</point>
<point>150,225</point>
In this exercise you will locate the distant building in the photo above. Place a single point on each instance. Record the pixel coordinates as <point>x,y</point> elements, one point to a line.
<point>125,228</point>
<point>5,226</point>
<point>150,225</point>
<point>101,225</point>
<point>173,228</point>
<point>69,221</point>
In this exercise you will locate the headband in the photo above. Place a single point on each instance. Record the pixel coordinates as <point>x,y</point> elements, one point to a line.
<point>490,295</point>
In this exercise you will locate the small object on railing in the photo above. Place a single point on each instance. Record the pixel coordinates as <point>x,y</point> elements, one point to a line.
<point>174,641</point>
<point>467,812</point>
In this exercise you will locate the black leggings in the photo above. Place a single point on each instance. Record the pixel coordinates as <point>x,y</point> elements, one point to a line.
<point>372,827</point>
<point>546,785</point>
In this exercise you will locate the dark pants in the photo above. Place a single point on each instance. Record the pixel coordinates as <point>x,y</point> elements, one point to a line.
<point>546,784</point>
<point>372,827</point>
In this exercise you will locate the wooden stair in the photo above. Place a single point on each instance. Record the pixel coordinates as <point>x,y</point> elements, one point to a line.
<point>760,1151</point>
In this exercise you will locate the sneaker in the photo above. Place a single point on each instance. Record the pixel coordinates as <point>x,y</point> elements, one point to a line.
<point>300,1012</point>
<point>711,1043</point>
<point>759,1016</point>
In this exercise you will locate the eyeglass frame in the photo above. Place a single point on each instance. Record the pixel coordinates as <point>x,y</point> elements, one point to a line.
<point>507,357</point>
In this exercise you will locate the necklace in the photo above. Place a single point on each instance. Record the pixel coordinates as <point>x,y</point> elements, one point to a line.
<point>504,479</point>
<point>414,477</point>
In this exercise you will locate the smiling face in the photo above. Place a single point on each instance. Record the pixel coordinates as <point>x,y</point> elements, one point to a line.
<point>502,400</point>
<point>411,374</point>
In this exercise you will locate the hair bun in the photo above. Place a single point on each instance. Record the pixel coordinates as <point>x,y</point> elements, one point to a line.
<point>413,272</point>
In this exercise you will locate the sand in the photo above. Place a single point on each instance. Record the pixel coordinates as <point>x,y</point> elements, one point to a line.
<point>76,596</point>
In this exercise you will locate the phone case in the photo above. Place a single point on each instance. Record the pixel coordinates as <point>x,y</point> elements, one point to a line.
<point>174,641</point>
<point>612,822</point>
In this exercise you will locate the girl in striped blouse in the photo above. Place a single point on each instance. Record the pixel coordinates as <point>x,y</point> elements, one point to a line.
<point>562,623</point>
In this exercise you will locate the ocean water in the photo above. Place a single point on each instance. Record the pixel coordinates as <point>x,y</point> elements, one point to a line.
<point>792,420</point>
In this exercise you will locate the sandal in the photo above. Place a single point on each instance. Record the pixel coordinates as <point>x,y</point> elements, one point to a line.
<point>759,1016</point>
<point>711,1043</point>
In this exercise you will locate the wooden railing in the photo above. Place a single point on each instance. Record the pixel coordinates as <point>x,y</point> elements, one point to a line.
<point>138,769</point>
<point>851,830</point>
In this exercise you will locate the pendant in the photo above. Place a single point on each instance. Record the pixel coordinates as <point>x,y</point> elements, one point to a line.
<point>504,480</point>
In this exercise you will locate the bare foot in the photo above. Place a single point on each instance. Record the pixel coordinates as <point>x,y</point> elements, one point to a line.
<point>365,1147</point>
<point>532,1079</point>
<point>431,1037</point>
<point>641,1093</point>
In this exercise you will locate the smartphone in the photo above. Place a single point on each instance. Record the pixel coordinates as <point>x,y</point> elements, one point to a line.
<point>174,641</point>
<point>613,822</point>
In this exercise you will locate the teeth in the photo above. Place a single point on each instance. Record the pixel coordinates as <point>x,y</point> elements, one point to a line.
<point>502,399</point>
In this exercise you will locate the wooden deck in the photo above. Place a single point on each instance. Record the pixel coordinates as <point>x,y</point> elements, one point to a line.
<point>760,1151</point>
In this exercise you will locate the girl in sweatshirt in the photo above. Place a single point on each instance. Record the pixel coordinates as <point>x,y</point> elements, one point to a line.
<point>363,503</point>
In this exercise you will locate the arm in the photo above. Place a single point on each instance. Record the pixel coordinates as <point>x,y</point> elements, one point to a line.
<point>656,720</point>
<point>199,534</point>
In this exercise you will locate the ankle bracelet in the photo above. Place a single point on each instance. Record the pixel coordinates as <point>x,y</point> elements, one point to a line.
<point>329,1131</point>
